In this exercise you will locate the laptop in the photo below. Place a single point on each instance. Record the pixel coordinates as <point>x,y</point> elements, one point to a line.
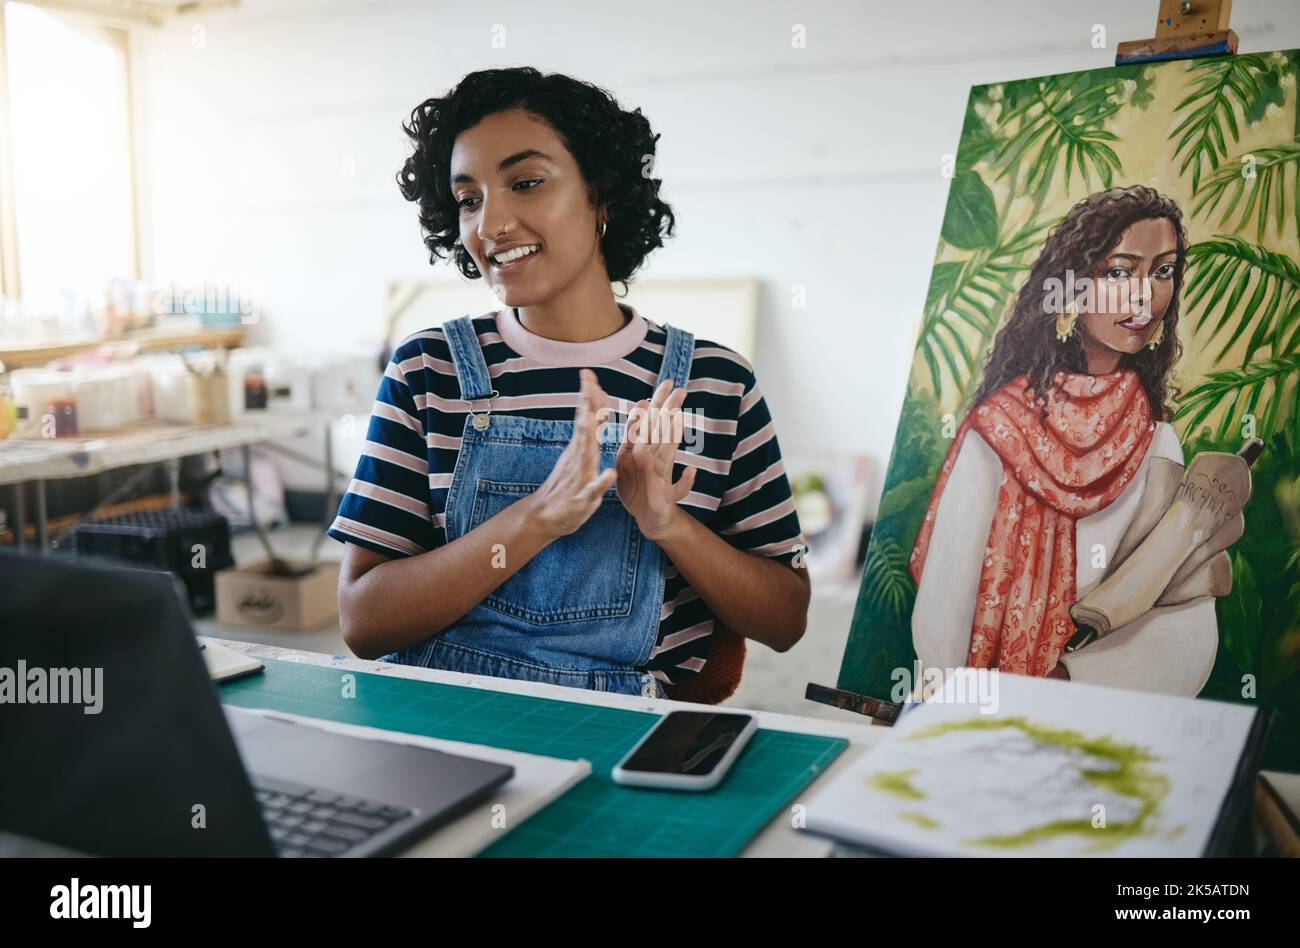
<point>113,741</point>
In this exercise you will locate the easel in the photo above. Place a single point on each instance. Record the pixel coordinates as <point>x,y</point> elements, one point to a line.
<point>1185,29</point>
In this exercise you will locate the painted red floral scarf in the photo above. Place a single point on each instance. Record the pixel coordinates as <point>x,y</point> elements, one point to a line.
<point>1069,463</point>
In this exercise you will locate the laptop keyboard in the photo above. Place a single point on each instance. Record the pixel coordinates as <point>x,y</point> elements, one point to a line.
<point>304,821</point>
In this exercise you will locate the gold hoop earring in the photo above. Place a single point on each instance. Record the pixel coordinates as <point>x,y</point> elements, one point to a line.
<point>604,226</point>
<point>1065,324</point>
<point>1157,336</point>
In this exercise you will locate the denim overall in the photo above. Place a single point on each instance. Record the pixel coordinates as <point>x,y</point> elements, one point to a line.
<point>583,612</point>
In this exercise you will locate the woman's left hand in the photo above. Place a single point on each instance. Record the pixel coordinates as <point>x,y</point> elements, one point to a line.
<point>645,461</point>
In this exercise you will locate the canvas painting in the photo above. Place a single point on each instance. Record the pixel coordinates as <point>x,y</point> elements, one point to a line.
<point>1094,474</point>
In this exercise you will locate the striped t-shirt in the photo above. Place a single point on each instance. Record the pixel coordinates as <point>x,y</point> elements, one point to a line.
<point>395,503</point>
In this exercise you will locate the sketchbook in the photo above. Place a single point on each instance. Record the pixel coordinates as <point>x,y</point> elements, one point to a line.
<point>1025,766</point>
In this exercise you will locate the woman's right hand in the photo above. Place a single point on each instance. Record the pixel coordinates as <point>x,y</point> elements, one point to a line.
<point>576,485</point>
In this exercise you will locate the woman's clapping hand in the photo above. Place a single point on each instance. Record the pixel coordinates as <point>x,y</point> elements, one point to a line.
<point>573,490</point>
<point>645,461</point>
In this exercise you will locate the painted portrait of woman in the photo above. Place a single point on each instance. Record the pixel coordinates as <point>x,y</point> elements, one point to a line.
<point>1049,463</point>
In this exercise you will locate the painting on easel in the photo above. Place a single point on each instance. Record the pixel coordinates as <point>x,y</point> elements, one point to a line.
<point>1100,441</point>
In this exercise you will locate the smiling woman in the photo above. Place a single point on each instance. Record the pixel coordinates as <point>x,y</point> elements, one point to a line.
<point>524,507</point>
<point>597,155</point>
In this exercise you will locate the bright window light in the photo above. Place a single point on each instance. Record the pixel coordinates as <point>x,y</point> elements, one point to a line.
<point>70,131</point>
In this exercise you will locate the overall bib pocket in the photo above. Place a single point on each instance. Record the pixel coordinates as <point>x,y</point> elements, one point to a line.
<point>588,574</point>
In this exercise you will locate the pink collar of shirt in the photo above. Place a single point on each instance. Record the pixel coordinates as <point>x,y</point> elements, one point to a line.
<point>561,353</point>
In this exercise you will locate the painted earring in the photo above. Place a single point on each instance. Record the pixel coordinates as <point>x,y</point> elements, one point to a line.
<point>1065,324</point>
<point>1157,336</point>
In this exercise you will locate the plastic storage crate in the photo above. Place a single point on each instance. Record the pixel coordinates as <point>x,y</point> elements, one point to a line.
<point>188,542</point>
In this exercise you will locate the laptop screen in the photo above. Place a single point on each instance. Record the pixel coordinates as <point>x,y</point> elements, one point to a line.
<point>112,740</point>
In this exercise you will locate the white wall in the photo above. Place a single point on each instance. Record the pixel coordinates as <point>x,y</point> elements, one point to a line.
<point>270,136</point>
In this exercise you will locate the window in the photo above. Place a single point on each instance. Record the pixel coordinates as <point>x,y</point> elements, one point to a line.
<point>69,157</point>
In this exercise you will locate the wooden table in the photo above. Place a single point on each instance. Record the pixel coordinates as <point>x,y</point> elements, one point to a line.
<point>29,461</point>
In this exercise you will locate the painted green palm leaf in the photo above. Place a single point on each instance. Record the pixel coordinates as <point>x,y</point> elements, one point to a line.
<point>887,585</point>
<point>971,220</point>
<point>1269,390</point>
<point>1061,123</point>
<point>1228,271</point>
<point>973,292</point>
<point>1224,88</point>
<point>1265,190</point>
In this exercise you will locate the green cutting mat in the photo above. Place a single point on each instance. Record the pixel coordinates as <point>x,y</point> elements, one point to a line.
<point>595,818</point>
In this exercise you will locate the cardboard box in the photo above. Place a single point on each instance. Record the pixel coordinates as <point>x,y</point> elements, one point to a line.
<point>252,595</point>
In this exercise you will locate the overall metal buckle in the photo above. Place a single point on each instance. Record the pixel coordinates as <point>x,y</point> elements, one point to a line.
<point>481,420</point>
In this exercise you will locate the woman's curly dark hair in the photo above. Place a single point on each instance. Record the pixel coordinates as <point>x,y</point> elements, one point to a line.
<point>611,146</point>
<point>1027,344</point>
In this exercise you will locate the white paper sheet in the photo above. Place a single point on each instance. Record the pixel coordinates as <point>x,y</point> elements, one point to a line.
<point>1059,769</point>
